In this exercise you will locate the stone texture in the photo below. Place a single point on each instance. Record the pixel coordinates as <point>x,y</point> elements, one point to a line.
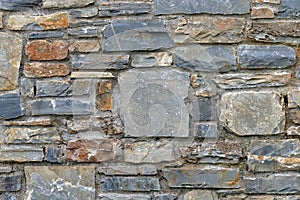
<point>294,98</point>
<point>161,59</point>
<point>27,87</point>
<point>85,32</point>
<point>15,5</point>
<point>206,130</point>
<point>85,46</point>
<point>289,9</point>
<point>10,106</point>
<point>205,58</point>
<point>53,88</point>
<point>293,130</point>
<point>100,61</point>
<point>10,59</point>
<point>45,70</point>
<point>206,177</point>
<point>132,35</point>
<point>136,184</point>
<point>164,197</point>
<point>252,113</point>
<point>116,196</point>
<point>1,19</point>
<point>267,1</point>
<point>32,121</point>
<point>295,116</point>
<point>200,195</point>
<point>21,153</point>
<point>46,22</point>
<point>66,3</point>
<point>93,150</point>
<point>104,96</point>
<point>60,182</point>
<point>46,50</point>
<point>201,6</point>
<point>260,197</point>
<point>6,169</point>
<point>262,13</point>
<point>82,74</point>
<point>46,34</point>
<point>126,8</point>
<point>298,73</point>
<point>257,57</point>
<point>270,156</point>
<point>245,80</point>
<point>196,29</point>
<point>273,184</point>
<point>128,169</point>
<point>53,154</point>
<point>153,102</point>
<point>10,183</point>
<point>203,109</point>
<point>84,12</point>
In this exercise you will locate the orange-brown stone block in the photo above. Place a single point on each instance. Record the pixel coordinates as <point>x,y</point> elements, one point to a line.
<point>45,70</point>
<point>104,98</point>
<point>262,12</point>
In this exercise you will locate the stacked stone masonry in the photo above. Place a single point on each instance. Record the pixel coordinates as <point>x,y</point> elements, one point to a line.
<point>150,99</point>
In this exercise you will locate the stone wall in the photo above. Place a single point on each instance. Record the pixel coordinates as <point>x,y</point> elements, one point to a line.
<point>149,99</point>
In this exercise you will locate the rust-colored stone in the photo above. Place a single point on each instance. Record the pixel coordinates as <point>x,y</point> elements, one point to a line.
<point>45,70</point>
<point>47,50</point>
<point>56,21</point>
<point>104,99</point>
<point>262,12</point>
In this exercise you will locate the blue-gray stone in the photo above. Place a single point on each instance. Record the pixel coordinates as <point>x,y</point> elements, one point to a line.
<point>10,183</point>
<point>88,32</point>
<point>133,35</point>
<point>84,12</point>
<point>27,87</point>
<point>164,197</point>
<point>116,196</point>
<point>298,73</point>
<point>206,130</point>
<point>87,23</point>
<point>10,106</point>
<point>201,6</point>
<point>124,8</point>
<point>10,196</point>
<point>53,88</point>
<point>256,56</point>
<point>53,154</point>
<point>203,109</point>
<point>289,9</point>
<point>14,5</point>
<point>45,34</point>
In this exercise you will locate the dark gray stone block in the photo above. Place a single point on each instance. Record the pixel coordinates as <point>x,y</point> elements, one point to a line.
<point>10,183</point>
<point>84,12</point>
<point>14,5</point>
<point>84,32</point>
<point>126,8</point>
<point>10,106</point>
<point>203,109</point>
<point>289,9</point>
<point>298,73</point>
<point>206,130</point>
<point>53,88</point>
<point>45,34</point>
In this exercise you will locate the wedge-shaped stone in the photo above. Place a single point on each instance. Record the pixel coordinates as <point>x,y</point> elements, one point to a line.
<point>21,153</point>
<point>66,3</point>
<point>126,8</point>
<point>10,106</point>
<point>15,5</point>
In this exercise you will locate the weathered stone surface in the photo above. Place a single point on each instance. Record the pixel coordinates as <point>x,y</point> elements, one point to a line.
<point>127,169</point>
<point>60,182</point>
<point>206,177</point>
<point>46,50</point>
<point>5,169</point>
<point>260,197</point>
<point>53,88</point>
<point>20,153</point>
<point>252,113</point>
<point>126,8</point>
<point>82,74</point>
<point>294,98</point>
<point>298,73</point>
<point>10,183</point>
<point>116,196</point>
<point>136,184</point>
<point>60,107</point>
<point>81,87</point>
<point>270,156</point>
<point>132,35</point>
<point>89,23</point>
<point>104,96</point>
<point>206,130</point>
<point>164,197</point>
<point>153,102</point>
<point>84,12</point>
<point>53,154</point>
<point>293,130</point>
<point>257,57</point>
<point>295,116</point>
<point>273,184</point>
<point>196,29</point>
<point>45,70</point>
<point>85,46</point>
<point>66,3</point>
<point>10,59</point>
<point>46,34</point>
<point>245,80</point>
<point>100,61</point>
<point>201,6</point>
<point>32,121</point>
<point>260,12</point>
<point>205,58</point>
<point>289,9</point>
<point>93,150</point>
<point>161,59</point>
<point>1,20</point>
<point>267,1</point>
<point>46,22</point>
<point>200,195</point>
<point>203,109</point>
<point>15,5</point>
<point>85,32</point>
<point>27,87</point>
<point>10,106</point>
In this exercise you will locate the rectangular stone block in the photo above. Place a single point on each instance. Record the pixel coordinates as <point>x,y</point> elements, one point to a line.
<point>15,5</point>
<point>85,32</point>
<point>83,74</point>
<point>206,130</point>
<point>294,114</point>
<point>1,19</point>
<point>66,3</point>
<point>27,87</point>
<point>20,153</point>
<point>84,12</point>
<point>201,6</point>
<point>133,35</point>
<point>32,121</point>
<point>203,109</point>
<point>124,8</point>
<point>133,184</point>
<point>85,46</point>
<point>289,9</point>
<point>116,196</point>
<point>293,130</point>
<point>262,12</point>
<point>267,1</point>
<point>46,34</point>
<point>54,155</point>
<point>10,106</point>
<point>270,156</point>
<point>260,197</point>
<point>45,70</point>
<point>104,99</point>
<point>127,169</point>
<point>53,88</point>
<point>10,183</point>
<point>206,177</point>
<point>161,59</point>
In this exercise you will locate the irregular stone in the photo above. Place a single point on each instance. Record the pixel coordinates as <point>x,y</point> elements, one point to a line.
<point>133,35</point>
<point>257,56</point>
<point>82,74</point>
<point>293,130</point>
<point>126,169</point>
<point>136,184</point>
<point>53,88</point>
<point>27,87</point>
<point>206,130</point>
<point>124,8</point>
<point>15,5</point>
<point>1,20</point>
<point>46,34</point>
<point>201,6</point>
<point>203,109</point>
<point>46,50</point>
<point>262,13</point>
<point>294,98</point>
<point>161,59</point>
<point>196,29</point>
<point>206,177</point>
<point>85,46</point>
<point>66,3</point>
<point>60,182</point>
<point>45,70</point>
<point>153,102</point>
<point>200,195</point>
<point>295,116</point>
<point>104,96</point>
<point>116,196</point>
<point>82,124</point>
<point>87,32</point>
<point>46,22</point>
<point>245,80</point>
<point>273,184</point>
<point>205,58</point>
<point>289,9</point>
<point>84,12</point>
<point>20,153</point>
<point>53,154</point>
<point>10,106</point>
<point>100,61</point>
<point>10,59</point>
<point>10,183</point>
<point>60,107</point>
<point>92,150</point>
<point>32,121</point>
<point>270,156</point>
<point>112,125</point>
<point>252,113</point>
<point>164,197</point>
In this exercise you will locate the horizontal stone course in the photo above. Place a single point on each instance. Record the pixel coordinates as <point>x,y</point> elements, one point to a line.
<point>126,8</point>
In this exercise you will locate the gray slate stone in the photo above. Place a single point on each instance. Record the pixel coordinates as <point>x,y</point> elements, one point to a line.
<point>15,5</point>
<point>127,169</point>
<point>66,3</point>
<point>133,35</point>
<point>87,32</point>
<point>20,153</point>
<point>124,8</point>
<point>10,183</point>
<point>46,34</point>
<point>289,9</point>
<point>134,184</point>
<point>160,59</point>
<point>153,102</point>
<point>273,184</point>
<point>53,88</point>
<point>298,73</point>
<point>84,12</point>
<point>203,109</point>
<point>206,130</point>
<point>164,197</point>
<point>205,58</point>
<point>10,106</point>
<point>116,196</point>
<point>256,56</point>
<point>53,155</point>
<point>27,87</point>
<point>201,6</point>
